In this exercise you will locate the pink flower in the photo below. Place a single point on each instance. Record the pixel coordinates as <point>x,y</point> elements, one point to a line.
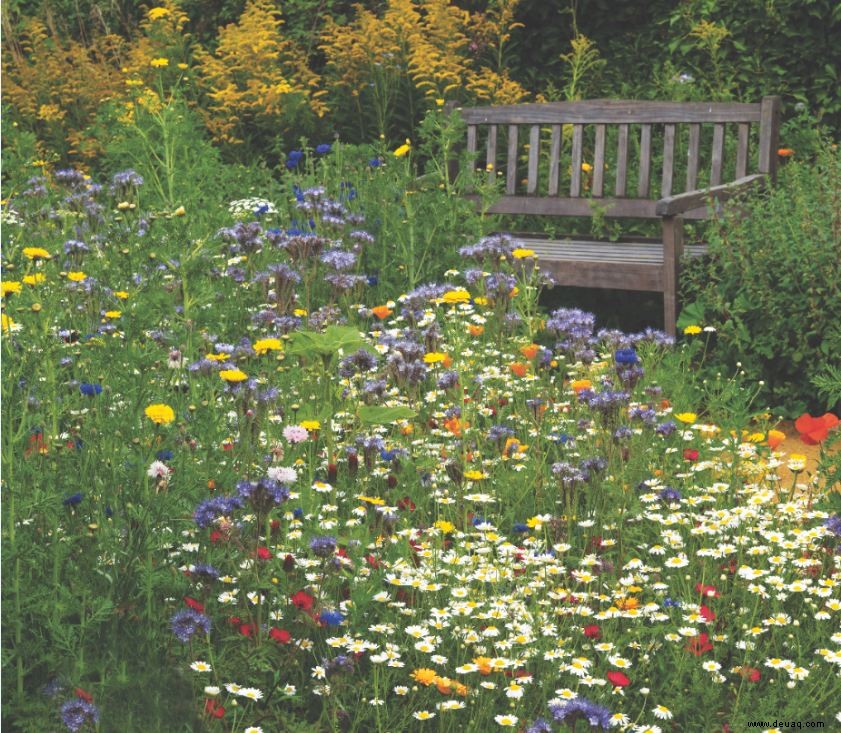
<point>295,434</point>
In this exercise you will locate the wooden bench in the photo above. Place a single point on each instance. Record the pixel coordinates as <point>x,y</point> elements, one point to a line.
<point>632,159</point>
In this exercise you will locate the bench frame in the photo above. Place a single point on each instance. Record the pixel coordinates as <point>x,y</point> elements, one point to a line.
<point>622,271</point>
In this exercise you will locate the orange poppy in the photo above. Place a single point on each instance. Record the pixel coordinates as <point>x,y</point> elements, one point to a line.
<point>529,351</point>
<point>476,330</point>
<point>775,437</point>
<point>382,312</point>
<point>519,369</point>
<point>785,152</point>
<point>814,430</point>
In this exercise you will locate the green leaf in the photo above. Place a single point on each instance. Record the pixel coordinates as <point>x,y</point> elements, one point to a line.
<point>378,415</point>
<point>311,343</point>
<point>691,315</point>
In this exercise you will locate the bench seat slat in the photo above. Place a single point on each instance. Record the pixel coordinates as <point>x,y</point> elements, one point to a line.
<point>573,250</point>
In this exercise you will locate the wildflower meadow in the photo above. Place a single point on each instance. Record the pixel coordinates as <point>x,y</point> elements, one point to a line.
<point>311,443</point>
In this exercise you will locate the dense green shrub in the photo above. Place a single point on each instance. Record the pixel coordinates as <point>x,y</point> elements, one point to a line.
<point>771,285</point>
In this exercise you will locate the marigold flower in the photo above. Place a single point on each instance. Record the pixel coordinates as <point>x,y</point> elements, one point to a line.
<point>445,526</point>
<point>775,438</point>
<point>160,414</point>
<point>382,312</point>
<point>76,277</point>
<point>264,345</point>
<point>686,417</point>
<point>434,357</point>
<point>35,253</point>
<point>456,296</point>
<point>310,425</point>
<point>402,150</point>
<point>519,369</point>
<point>159,63</point>
<point>233,375</point>
<point>475,475</point>
<point>9,286</point>
<point>581,384</point>
<point>530,351</point>
<point>36,279</point>
<point>521,253</point>
<point>692,330</point>
<point>424,676</point>
<point>113,314</point>
<point>157,13</point>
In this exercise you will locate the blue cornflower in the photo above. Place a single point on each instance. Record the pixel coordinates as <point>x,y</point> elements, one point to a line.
<point>323,149</point>
<point>164,455</point>
<point>375,163</point>
<point>668,494</point>
<point>833,524</point>
<point>323,546</point>
<point>90,390</point>
<point>76,713</point>
<point>669,603</point>
<point>294,158</point>
<point>187,622</point>
<point>331,618</point>
<point>73,500</point>
<point>570,711</point>
<point>211,509</point>
<point>626,356</point>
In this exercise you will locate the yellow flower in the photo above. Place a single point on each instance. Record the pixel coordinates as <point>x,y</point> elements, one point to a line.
<point>586,167</point>
<point>687,417</point>
<point>35,279</point>
<point>439,102</point>
<point>433,357</point>
<point>9,286</point>
<point>310,425</point>
<point>300,312</point>
<point>159,63</point>
<point>264,345</point>
<point>76,277</point>
<point>180,211</point>
<point>402,150</point>
<point>160,414</point>
<point>425,676</point>
<point>692,330</point>
<point>456,296</point>
<point>521,254</point>
<point>36,252</point>
<point>375,500</point>
<point>580,384</point>
<point>233,375</point>
<point>158,13</point>
<point>113,314</point>
<point>481,300</point>
<point>121,294</point>
<point>183,67</point>
<point>475,475</point>
<point>796,462</point>
<point>445,526</point>
<point>7,323</point>
<point>217,357</point>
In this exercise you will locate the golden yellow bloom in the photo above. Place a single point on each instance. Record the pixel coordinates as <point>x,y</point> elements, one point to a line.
<point>180,211</point>
<point>217,357</point>
<point>586,167</point>
<point>113,314</point>
<point>35,279</point>
<point>686,417</point>
<point>310,425</point>
<point>581,384</point>
<point>402,150</point>
<point>475,475</point>
<point>264,345</point>
<point>521,254</point>
<point>160,414</point>
<point>34,253</point>
<point>375,500</point>
<point>183,67</point>
<point>121,294</point>
<point>692,330</point>
<point>233,375</point>
<point>445,526</point>
<point>425,676</point>
<point>76,277</point>
<point>481,300</point>
<point>159,63</point>
<point>456,296</point>
<point>158,13</point>
<point>300,312</point>
<point>9,286</point>
<point>7,323</point>
<point>434,357</point>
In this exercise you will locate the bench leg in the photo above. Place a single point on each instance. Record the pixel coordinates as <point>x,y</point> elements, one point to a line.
<point>672,253</point>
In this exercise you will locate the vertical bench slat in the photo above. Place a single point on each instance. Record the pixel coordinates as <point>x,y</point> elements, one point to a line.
<point>554,160</point>
<point>577,150</point>
<point>621,160</point>
<point>717,155</point>
<point>694,154</point>
<point>668,160</point>
<point>742,150</point>
<point>511,166</point>
<point>471,153</point>
<point>769,132</point>
<point>645,161</point>
<point>598,162</point>
<point>534,153</point>
<point>490,159</point>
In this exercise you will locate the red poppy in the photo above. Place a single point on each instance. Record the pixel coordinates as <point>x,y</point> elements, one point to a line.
<point>690,454</point>
<point>194,604</point>
<point>700,644</point>
<point>302,600</point>
<point>707,614</point>
<point>248,629</point>
<point>281,636</point>
<point>212,708</point>
<point>372,561</point>
<point>406,503</point>
<point>707,590</point>
<point>618,679</point>
<point>264,553</point>
<point>592,631</point>
<point>82,695</point>
<point>814,430</point>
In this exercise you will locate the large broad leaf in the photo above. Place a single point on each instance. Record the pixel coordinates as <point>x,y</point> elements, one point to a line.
<point>311,343</point>
<point>377,415</point>
<point>692,314</point>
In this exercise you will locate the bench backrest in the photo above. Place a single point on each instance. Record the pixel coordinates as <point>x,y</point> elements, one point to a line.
<point>556,157</point>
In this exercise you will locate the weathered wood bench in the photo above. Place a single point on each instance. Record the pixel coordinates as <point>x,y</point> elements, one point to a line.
<point>603,153</point>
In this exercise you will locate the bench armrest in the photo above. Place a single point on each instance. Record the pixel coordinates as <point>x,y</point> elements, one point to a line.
<point>683,202</point>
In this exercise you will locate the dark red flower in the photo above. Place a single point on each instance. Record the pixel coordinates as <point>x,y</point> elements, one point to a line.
<point>372,561</point>
<point>264,553</point>
<point>406,503</point>
<point>281,636</point>
<point>82,695</point>
<point>302,600</point>
<point>194,604</point>
<point>234,620</point>
<point>592,631</point>
<point>248,629</point>
<point>690,454</point>
<point>617,678</point>
<point>700,644</point>
<point>212,708</point>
